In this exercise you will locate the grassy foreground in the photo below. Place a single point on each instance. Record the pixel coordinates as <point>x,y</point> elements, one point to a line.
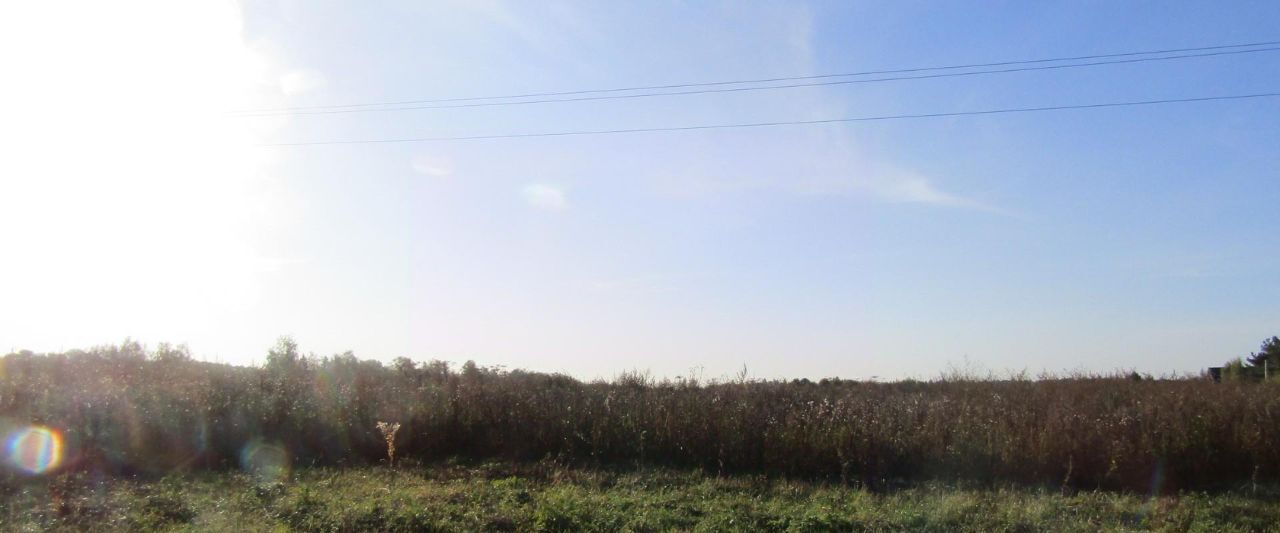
<point>540,497</point>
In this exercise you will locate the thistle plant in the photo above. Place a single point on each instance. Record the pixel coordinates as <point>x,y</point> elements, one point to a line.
<point>388,430</point>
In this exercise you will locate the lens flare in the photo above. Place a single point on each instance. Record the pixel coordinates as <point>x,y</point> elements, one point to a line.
<point>266,461</point>
<point>35,449</point>
<point>1157,478</point>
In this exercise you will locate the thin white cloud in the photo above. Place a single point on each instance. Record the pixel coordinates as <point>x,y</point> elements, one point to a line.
<point>429,165</point>
<point>909,188</point>
<point>301,81</point>
<point>502,14</point>
<point>800,36</point>
<point>633,285</point>
<point>842,169</point>
<point>545,197</point>
<point>823,174</point>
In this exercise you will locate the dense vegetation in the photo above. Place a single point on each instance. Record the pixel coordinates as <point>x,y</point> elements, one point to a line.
<point>1262,365</point>
<point>125,410</point>
<point>543,496</point>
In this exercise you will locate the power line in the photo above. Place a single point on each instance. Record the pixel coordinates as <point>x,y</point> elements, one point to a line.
<point>763,88</point>
<point>288,110</point>
<point>788,123</point>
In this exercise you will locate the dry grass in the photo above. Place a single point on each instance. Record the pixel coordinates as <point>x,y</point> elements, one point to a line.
<point>388,431</point>
<point>124,410</point>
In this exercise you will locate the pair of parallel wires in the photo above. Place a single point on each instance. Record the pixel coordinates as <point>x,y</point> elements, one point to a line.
<point>781,83</point>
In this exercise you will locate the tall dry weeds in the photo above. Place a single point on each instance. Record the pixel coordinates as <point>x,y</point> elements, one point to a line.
<point>127,410</point>
<point>388,430</point>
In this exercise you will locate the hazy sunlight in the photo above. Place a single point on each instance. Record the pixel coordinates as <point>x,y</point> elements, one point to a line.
<point>134,194</point>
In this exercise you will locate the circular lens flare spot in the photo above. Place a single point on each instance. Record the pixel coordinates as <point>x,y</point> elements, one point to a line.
<point>266,461</point>
<point>36,449</point>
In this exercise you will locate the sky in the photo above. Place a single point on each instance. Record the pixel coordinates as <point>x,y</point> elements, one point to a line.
<point>136,203</point>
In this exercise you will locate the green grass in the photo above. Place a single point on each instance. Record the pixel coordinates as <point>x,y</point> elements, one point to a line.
<point>547,497</point>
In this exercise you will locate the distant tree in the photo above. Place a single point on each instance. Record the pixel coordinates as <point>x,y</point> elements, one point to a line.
<point>1269,353</point>
<point>285,385</point>
<point>405,365</point>
<point>1234,370</point>
<point>470,370</point>
<point>284,354</point>
<point>169,352</point>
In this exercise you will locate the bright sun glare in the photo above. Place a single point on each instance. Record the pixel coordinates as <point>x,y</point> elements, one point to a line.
<point>130,197</point>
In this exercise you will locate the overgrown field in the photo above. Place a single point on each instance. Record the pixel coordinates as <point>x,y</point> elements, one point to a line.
<point>545,497</point>
<point>121,411</point>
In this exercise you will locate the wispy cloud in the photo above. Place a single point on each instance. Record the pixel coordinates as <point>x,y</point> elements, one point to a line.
<point>836,165</point>
<point>301,81</point>
<point>506,16</point>
<point>821,172</point>
<point>545,197</point>
<point>632,285</point>
<point>429,165</point>
<point>906,187</point>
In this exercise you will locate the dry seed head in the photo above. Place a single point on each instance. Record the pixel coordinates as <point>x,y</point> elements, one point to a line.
<point>388,430</point>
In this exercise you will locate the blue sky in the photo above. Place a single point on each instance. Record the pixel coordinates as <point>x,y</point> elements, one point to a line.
<point>1140,238</point>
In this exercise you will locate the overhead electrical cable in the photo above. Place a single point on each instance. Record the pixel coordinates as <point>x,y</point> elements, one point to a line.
<point>370,107</point>
<point>786,123</point>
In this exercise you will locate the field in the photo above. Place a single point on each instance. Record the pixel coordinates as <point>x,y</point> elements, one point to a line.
<point>120,437</point>
<point>543,497</point>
